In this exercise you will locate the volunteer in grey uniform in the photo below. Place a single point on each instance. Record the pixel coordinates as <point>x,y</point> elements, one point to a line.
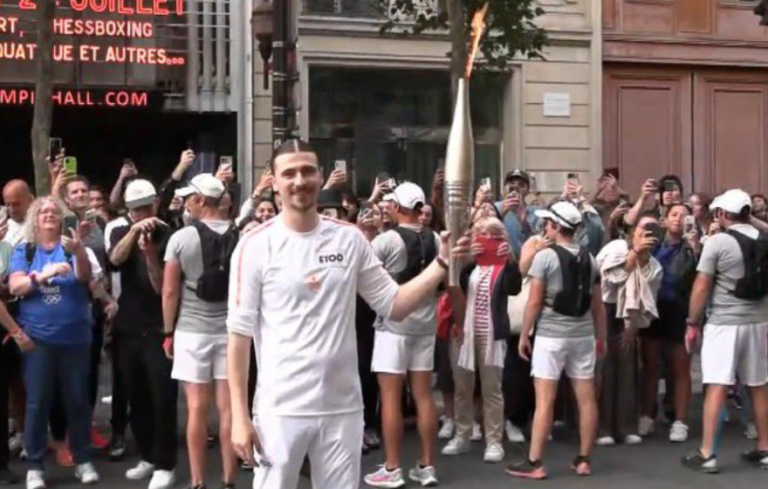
<point>567,308</point>
<point>196,327</point>
<point>736,331</point>
<point>406,347</point>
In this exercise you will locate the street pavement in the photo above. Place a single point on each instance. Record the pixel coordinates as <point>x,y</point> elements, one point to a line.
<point>652,465</point>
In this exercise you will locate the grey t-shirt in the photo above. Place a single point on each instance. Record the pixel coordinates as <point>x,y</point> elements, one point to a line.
<point>389,247</point>
<point>721,258</point>
<point>546,267</point>
<point>195,314</point>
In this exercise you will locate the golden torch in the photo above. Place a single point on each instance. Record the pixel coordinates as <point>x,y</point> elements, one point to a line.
<point>460,155</point>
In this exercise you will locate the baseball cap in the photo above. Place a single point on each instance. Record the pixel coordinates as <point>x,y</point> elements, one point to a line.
<point>732,201</point>
<point>517,173</point>
<point>563,213</point>
<point>409,195</point>
<point>203,184</point>
<point>139,193</point>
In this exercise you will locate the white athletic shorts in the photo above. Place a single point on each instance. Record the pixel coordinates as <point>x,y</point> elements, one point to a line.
<point>551,355</point>
<point>332,442</point>
<point>199,358</point>
<point>728,351</point>
<point>400,354</point>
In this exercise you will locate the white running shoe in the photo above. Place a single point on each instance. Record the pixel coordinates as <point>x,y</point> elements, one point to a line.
<point>457,446</point>
<point>645,426</point>
<point>446,431</point>
<point>388,479</point>
<point>494,453</point>
<point>426,476</point>
<point>162,479</point>
<point>477,432</point>
<point>514,434</point>
<point>633,440</point>
<point>751,432</point>
<point>679,432</point>
<point>86,473</point>
<point>35,479</point>
<point>143,470</point>
<point>605,441</point>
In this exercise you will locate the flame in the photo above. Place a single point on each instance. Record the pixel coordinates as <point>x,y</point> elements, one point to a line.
<point>478,27</point>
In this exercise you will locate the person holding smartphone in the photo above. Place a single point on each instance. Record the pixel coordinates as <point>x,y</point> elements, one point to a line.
<point>678,254</point>
<point>519,219</point>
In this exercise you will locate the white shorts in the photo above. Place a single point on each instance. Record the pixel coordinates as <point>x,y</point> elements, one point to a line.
<point>400,354</point>
<point>333,442</point>
<point>728,351</point>
<point>199,358</point>
<point>551,355</point>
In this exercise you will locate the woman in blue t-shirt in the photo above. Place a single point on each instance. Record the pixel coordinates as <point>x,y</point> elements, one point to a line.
<point>50,273</point>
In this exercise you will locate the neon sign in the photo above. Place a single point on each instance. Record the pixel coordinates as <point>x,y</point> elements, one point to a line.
<point>20,97</point>
<point>121,7</point>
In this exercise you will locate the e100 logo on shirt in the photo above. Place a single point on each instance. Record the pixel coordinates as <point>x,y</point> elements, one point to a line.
<point>331,259</point>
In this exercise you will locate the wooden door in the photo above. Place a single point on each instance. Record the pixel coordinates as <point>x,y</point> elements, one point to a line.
<point>647,124</point>
<point>730,133</point>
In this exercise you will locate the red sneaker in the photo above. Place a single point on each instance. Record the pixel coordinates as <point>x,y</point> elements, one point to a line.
<point>527,470</point>
<point>582,466</point>
<point>63,456</point>
<point>97,441</point>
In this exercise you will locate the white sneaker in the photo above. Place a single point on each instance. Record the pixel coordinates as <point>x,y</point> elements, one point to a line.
<point>142,471</point>
<point>426,476</point>
<point>388,479</point>
<point>446,431</point>
<point>494,453</point>
<point>633,440</point>
<point>751,432</point>
<point>162,479</point>
<point>605,441</point>
<point>86,473</point>
<point>35,479</point>
<point>645,426</point>
<point>457,446</point>
<point>477,432</point>
<point>514,434</point>
<point>679,432</point>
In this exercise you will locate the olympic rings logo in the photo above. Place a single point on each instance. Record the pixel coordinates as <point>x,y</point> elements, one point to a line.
<point>51,300</point>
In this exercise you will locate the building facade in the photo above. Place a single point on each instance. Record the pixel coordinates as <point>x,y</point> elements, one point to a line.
<point>382,103</point>
<point>686,92</point>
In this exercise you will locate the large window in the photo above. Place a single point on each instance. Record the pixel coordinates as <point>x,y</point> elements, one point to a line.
<point>397,123</point>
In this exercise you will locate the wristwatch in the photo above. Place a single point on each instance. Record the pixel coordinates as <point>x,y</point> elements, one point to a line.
<point>440,261</point>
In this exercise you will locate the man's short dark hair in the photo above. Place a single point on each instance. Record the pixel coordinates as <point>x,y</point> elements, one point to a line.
<point>99,189</point>
<point>291,146</point>
<point>76,179</point>
<point>743,217</point>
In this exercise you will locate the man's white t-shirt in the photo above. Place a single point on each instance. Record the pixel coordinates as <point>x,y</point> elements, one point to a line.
<point>295,294</point>
<point>15,234</point>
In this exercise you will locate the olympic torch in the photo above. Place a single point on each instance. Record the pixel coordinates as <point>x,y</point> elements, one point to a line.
<point>459,175</point>
<point>460,155</point>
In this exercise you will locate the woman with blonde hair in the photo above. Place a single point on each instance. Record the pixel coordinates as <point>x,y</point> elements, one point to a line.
<point>51,273</point>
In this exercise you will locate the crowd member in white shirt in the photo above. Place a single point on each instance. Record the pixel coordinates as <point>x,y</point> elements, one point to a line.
<point>407,348</point>
<point>17,198</point>
<point>731,285</point>
<point>292,290</point>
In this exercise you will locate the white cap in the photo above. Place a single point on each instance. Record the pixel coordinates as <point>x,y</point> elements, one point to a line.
<point>409,195</point>
<point>732,201</point>
<point>139,193</point>
<point>203,184</point>
<point>563,213</point>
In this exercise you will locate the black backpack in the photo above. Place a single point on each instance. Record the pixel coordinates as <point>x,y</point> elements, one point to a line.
<point>213,284</point>
<point>421,250</point>
<point>753,286</point>
<point>575,299</point>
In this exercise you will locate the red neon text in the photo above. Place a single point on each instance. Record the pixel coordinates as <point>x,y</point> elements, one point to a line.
<point>77,98</point>
<point>138,7</point>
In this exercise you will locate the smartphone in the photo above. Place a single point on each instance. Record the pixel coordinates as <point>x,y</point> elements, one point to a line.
<point>624,202</point>
<point>3,215</point>
<point>392,183</point>
<point>654,229</point>
<point>689,224</point>
<point>54,148</point>
<point>486,183</point>
<point>490,255</point>
<point>70,165</point>
<point>341,165</point>
<point>514,194</point>
<point>670,186</point>
<point>91,215</point>
<point>225,162</point>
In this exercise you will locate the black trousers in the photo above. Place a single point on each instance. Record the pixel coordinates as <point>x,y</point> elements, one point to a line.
<point>253,374</point>
<point>517,386</point>
<point>58,416</point>
<point>119,419</point>
<point>152,395</point>
<point>368,381</point>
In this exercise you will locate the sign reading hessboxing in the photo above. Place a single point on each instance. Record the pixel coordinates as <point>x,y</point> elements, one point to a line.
<point>124,44</point>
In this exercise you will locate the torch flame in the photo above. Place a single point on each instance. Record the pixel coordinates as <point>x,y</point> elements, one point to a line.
<point>478,27</point>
